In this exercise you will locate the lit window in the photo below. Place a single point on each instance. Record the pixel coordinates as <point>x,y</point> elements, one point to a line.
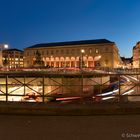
<point>90,50</point>
<point>96,51</point>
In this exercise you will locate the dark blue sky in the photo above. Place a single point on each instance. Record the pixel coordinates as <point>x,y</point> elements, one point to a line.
<point>26,22</point>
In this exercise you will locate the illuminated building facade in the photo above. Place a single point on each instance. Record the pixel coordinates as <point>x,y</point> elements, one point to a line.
<point>136,55</point>
<point>126,62</point>
<point>2,47</point>
<point>12,58</point>
<point>86,53</point>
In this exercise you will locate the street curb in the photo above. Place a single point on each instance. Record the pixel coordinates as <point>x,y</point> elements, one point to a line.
<point>53,109</point>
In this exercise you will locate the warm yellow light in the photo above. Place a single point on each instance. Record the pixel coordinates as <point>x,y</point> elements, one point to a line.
<point>82,51</point>
<point>96,58</point>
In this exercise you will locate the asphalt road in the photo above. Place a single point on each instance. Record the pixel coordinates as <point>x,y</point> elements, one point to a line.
<point>69,127</point>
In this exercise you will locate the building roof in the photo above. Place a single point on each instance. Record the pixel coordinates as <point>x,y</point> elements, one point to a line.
<point>81,42</point>
<point>138,43</point>
<point>127,59</point>
<point>134,47</point>
<point>11,50</point>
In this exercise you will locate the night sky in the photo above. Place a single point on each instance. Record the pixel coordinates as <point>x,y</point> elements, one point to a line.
<point>26,22</point>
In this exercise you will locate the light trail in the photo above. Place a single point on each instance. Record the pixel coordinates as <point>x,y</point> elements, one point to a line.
<point>108,93</point>
<point>133,78</point>
<point>67,98</point>
<point>106,98</point>
<point>127,79</point>
<point>128,92</point>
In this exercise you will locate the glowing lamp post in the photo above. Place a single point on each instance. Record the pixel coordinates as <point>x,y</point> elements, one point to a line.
<point>82,52</point>
<point>4,46</point>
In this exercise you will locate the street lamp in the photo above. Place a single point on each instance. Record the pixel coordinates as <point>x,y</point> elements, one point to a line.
<point>3,46</point>
<point>6,46</point>
<point>82,52</point>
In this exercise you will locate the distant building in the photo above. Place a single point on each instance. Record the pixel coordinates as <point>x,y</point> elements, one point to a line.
<point>85,53</point>
<point>2,47</point>
<point>136,55</point>
<point>12,58</point>
<point>126,62</point>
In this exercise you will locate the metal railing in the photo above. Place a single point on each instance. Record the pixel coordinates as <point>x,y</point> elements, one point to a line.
<point>58,87</point>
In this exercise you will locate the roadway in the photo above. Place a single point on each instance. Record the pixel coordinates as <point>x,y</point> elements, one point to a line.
<point>115,127</point>
<point>127,87</point>
<point>136,89</point>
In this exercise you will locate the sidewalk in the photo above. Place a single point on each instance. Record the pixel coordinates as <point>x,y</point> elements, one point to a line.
<point>57,109</point>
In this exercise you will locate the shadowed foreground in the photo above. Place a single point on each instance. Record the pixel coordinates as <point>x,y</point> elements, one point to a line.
<point>69,127</point>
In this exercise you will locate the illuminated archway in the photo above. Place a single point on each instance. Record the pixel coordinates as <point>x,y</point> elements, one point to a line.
<point>90,62</point>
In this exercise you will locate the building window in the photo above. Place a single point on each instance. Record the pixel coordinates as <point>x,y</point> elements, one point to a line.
<point>62,51</point>
<point>67,51</point>
<point>27,54</point>
<point>57,51</point>
<point>90,50</point>
<point>72,51</point>
<point>30,53</point>
<point>96,51</point>
<point>42,52</point>
<point>78,51</point>
<point>51,51</point>
<point>106,49</point>
<point>47,52</point>
<point>139,52</point>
